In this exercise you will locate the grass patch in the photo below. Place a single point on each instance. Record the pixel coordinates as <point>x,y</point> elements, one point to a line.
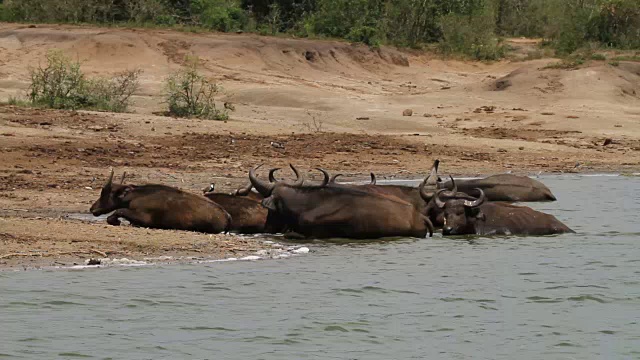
<point>635,58</point>
<point>566,64</point>
<point>190,94</point>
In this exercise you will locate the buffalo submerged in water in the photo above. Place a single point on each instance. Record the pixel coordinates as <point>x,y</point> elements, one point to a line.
<point>339,211</point>
<point>332,209</point>
<point>478,217</point>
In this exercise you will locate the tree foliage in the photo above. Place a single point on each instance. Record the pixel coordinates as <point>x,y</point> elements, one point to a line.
<point>472,27</point>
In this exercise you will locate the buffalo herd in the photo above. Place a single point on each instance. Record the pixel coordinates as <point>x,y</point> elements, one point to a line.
<point>331,209</point>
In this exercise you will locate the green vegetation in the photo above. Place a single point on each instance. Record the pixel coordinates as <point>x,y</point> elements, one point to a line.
<point>627,58</point>
<point>60,84</point>
<point>191,94</point>
<point>566,64</point>
<point>473,28</point>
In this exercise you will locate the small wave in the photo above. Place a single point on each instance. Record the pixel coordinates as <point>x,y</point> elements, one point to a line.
<point>31,339</point>
<point>74,354</point>
<point>61,302</point>
<point>205,328</point>
<point>586,298</point>
<point>565,343</point>
<point>335,328</point>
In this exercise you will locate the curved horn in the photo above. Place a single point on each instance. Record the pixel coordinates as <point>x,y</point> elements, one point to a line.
<point>263,187</point>
<point>426,195</point>
<point>432,179</point>
<point>243,191</point>
<point>476,202</point>
<point>299,177</point>
<point>271,177</point>
<point>325,181</point>
<point>439,202</point>
<point>110,181</point>
<point>453,183</point>
<point>124,174</point>
<point>373,179</point>
<point>333,178</point>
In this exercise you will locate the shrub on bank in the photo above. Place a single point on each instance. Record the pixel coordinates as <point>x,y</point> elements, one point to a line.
<point>191,94</point>
<point>60,84</point>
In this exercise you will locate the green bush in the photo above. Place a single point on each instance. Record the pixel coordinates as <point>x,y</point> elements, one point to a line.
<point>62,85</point>
<point>365,34</point>
<point>472,36</point>
<point>191,94</point>
<point>220,15</point>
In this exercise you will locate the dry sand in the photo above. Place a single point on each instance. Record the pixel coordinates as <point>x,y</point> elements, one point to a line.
<point>477,118</point>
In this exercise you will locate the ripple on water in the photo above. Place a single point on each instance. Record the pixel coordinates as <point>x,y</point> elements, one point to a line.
<point>206,328</point>
<point>62,303</point>
<point>587,297</point>
<point>74,355</point>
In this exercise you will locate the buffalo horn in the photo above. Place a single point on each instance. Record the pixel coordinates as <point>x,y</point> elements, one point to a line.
<point>424,193</point>
<point>325,181</point>
<point>453,184</point>
<point>333,178</point>
<point>373,179</point>
<point>110,181</point>
<point>432,179</point>
<point>476,202</point>
<point>271,177</point>
<point>263,187</point>
<point>243,191</point>
<point>124,174</point>
<point>439,202</point>
<point>299,177</point>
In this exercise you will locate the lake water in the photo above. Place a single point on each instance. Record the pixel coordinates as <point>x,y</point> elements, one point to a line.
<point>574,296</point>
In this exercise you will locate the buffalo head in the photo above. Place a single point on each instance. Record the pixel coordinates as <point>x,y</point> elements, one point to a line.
<point>460,214</point>
<point>111,197</point>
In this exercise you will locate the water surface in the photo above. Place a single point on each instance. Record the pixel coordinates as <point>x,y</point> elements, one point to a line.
<point>573,296</point>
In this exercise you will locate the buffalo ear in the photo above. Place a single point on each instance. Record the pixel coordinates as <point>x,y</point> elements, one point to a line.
<point>269,203</point>
<point>125,191</point>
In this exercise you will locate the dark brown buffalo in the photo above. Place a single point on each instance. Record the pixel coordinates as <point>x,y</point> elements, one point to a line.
<point>243,191</point>
<point>160,207</point>
<point>340,211</point>
<point>507,187</point>
<point>419,197</point>
<point>248,216</point>
<point>462,217</point>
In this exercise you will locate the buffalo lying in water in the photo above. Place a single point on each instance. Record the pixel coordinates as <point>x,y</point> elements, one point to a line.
<point>506,187</point>
<point>160,207</point>
<point>415,196</point>
<point>248,216</point>
<point>340,211</point>
<point>463,216</point>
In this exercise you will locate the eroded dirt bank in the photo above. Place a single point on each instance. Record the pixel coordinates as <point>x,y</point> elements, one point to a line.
<point>476,118</point>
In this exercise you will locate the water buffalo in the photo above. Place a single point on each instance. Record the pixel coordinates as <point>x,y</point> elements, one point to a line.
<point>340,211</point>
<point>160,207</point>
<point>418,197</point>
<point>427,192</point>
<point>463,216</point>
<point>243,191</point>
<point>507,187</point>
<point>248,216</point>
